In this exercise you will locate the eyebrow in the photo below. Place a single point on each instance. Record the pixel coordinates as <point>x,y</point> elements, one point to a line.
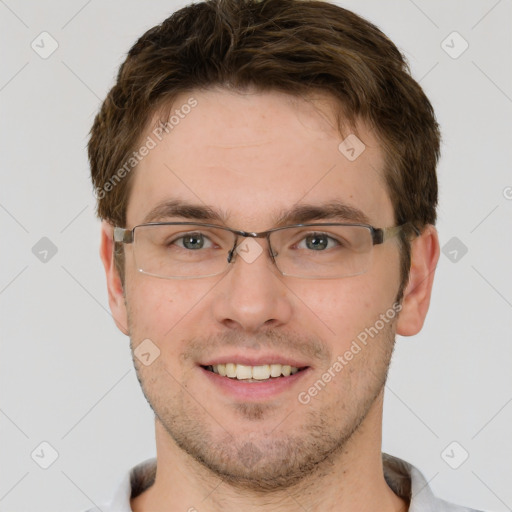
<point>333,210</point>
<point>185,210</point>
<point>299,214</point>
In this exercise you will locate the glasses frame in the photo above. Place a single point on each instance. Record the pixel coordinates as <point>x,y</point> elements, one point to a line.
<point>379,236</point>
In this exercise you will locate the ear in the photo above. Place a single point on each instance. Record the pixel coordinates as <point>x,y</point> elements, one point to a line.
<point>424,258</point>
<point>115,288</point>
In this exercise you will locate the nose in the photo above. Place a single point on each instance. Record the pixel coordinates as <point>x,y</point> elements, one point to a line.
<point>252,296</point>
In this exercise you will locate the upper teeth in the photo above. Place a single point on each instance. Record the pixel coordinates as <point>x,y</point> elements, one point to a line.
<point>261,372</point>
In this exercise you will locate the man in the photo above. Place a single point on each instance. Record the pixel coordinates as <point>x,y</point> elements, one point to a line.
<point>265,172</point>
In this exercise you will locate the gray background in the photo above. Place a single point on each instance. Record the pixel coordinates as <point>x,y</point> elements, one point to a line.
<point>66,372</point>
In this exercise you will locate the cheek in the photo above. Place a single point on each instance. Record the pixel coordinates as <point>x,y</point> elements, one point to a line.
<point>343,309</point>
<point>166,311</point>
<point>155,306</point>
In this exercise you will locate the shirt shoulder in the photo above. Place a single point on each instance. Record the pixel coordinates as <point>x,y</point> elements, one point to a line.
<point>409,483</point>
<point>134,482</point>
<point>445,506</point>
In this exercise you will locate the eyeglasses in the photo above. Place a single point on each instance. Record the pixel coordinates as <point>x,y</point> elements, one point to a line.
<point>188,250</point>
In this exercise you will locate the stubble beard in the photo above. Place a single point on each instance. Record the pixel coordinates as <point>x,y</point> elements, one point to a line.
<point>274,459</point>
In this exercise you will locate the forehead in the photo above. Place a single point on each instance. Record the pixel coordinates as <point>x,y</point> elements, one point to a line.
<point>254,155</point>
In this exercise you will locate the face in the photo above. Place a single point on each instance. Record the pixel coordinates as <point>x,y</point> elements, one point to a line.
<point>252,157</point>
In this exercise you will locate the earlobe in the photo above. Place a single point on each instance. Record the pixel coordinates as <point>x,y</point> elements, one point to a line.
<point>116,298</point>
<point>416,301</point>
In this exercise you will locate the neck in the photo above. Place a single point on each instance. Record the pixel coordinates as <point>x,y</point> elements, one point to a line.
<point>352,480</point>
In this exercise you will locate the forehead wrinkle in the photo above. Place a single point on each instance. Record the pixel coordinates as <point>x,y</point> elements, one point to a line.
<point>248,144</point>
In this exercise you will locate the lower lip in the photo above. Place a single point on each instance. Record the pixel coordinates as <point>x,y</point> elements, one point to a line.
<point>253,391</point>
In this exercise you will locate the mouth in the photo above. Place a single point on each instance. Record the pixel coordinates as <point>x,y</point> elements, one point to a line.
<point>259,373</point>
<point>254,377</point>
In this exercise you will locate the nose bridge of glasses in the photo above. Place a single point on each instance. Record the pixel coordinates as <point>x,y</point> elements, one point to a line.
<point>239,234</point>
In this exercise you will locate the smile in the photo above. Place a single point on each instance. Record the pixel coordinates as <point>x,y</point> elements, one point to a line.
<point>253,373</point>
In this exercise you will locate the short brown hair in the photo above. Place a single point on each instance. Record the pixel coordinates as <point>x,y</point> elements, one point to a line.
<point>293,46</point>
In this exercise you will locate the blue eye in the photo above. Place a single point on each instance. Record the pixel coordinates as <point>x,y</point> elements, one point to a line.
<point>193,241</point>
<point>317,242</point>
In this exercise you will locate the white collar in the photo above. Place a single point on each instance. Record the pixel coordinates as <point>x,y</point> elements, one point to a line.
<point>403,478</point>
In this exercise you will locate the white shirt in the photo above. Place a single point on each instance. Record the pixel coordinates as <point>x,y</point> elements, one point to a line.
<point>403,478</point>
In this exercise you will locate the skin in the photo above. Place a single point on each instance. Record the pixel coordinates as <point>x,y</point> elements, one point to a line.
<point>252,156</point>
